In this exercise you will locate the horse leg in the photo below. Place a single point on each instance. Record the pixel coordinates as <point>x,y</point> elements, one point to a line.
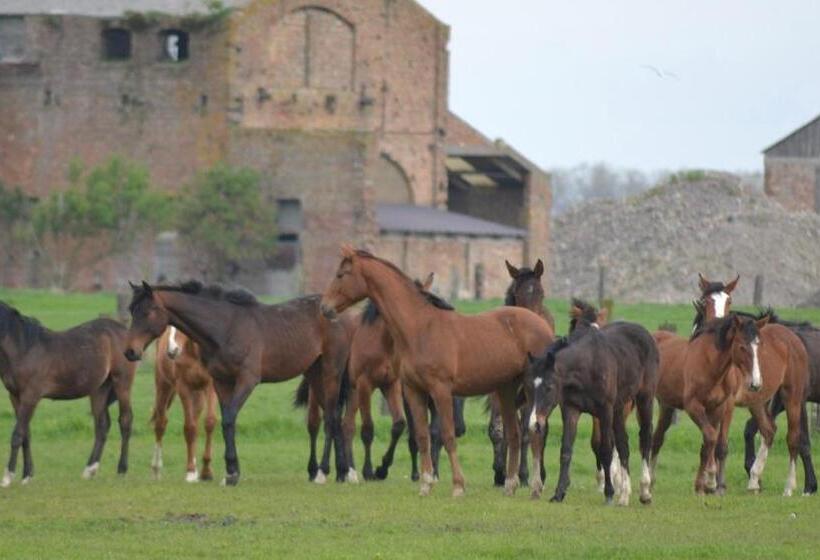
<point>162,399</point>
<point>394,403</point>
<point>622,446</point>
<point>569,416</point>
<point>24,409</point>
<point>523,429</point>
<point>349,431</point>
<point>795,406</point>
<point>749,433</point>
<point>443,399</point>
<point>605,450</point>
<point>210,423</point>
<point>313,422</point>
<point>364,391</point>
<point>767,430</point>
<point>810,482</point>
<point>665,416</point>
<point>231,399</point>
<point>411,441</point>
<point>436,442</point>
<point>191,401</point>
<point>495,430</point>
<point>644,404</point>
<point>418,410</point>
<point>708,466</point>
<point>28,462</point>
<point>102,423</point>
<point>538,441</point>
<point>595,444</point>
<point>331,385</point>
<point>122,388</point>
<point>509,417</point>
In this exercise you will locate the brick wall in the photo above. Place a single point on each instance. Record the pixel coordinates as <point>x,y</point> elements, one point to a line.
<point>791,182</point>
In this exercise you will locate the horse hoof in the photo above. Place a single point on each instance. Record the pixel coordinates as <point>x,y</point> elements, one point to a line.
<point>499,478</point>
<point>25,480</point>
<point>191,476</point>
<point>458,492</point>
<point>646,500</point>
<point>320,477</point>
<point>367,473</point>
<point>231,479</point>
<point>381,473</point>
<point>206,475</point>
<point>352,476</point>
<point>424,490</point>
<point>414,477</point>
<point>8,476</point>
<point>510,486</point>
<point>91,470</point>
<point>557,499</point>
<point>623,500</point>
<point>156,473</point>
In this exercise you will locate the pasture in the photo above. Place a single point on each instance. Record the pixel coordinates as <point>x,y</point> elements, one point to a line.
<point>275,512</point>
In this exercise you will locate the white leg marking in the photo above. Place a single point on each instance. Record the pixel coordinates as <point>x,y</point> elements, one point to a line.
<point>25,481</point>
<point>91,470</point>
<point>427,482</point>
<point>352,476</point>
<point>536,486</point>
<point>626,488</point>
<point>758,466</point>
<point>646,482</point>
<point>192,476</point>
<point>320,478</point>
<point>757,378</point>
<point>511,485</point>
<point>8,476</point>
<point>533,420</point>
<point>615,471</point>
<point>791,480</point>
<point>720,300</point>
<point>601,478</point>
<point>156,461</point>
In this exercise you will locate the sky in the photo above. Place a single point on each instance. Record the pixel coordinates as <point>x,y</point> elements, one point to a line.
<point>576,81</point>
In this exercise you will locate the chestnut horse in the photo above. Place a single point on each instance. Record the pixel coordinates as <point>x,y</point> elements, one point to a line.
<point>525,291</point>
<point>716,297</point>
<point>443,353</point>
<point>598,371</point>
<point>739,361</point>
<point>178,370</point>
<point>242,343</point>
<point>87,360</point>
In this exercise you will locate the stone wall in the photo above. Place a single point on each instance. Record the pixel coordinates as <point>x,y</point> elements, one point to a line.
<point>791,182</point>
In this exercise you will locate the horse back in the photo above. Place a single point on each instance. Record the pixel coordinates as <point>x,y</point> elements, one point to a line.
<point>672,356</point>
<point>811,342</point>
<point>785,351</point>
<point>637,358</point>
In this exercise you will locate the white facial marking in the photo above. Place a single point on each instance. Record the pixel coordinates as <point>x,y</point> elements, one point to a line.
<point>596,326</point>
<point>720,299</point>
<point>538,381</point>
<point>757,378</point>
<point>173,346</point>
<point>533,420</point>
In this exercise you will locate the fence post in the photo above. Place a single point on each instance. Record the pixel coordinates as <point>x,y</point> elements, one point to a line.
<point>758,295</point>
<point>601,283</point>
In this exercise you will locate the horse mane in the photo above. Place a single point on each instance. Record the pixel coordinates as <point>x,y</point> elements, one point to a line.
<point>216,292</point>
<point>371,311</point>
<point>588,313</point>
<point>720,328</point>
<point>524,274</point>
<point>26,331</point>
<point>430,297</point>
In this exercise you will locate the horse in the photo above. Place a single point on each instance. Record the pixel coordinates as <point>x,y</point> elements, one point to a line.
<point>525,291</point>
<point>443,353</point>
<point>86,360</point>
<point>716,296</point>
<point>242,343</point>
<point>372,367</point>
<point>598,371</point>
<point>178,370</point>
<point>741,361</point>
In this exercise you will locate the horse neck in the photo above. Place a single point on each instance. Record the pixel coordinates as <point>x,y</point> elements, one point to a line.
<point>398,300</point>
<point>198,318</point>
<point>720,365</point>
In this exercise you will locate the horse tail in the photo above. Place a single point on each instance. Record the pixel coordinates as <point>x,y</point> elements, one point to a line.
<point>300,397</point>
<point>112,397</point>
<point>344,389</point>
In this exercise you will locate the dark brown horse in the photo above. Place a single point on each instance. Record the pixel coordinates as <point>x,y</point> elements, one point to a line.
<point>443,353</point>
<point>178,370</point>
<point>525,291</point>
<point>739,361</point>
<point>87,360</point>
<point>243,342</point>
<point>598,371</point>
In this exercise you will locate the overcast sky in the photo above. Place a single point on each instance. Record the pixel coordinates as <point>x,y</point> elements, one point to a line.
<point>567,81</point>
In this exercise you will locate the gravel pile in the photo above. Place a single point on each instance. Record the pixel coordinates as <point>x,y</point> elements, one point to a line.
<point>653,245</point>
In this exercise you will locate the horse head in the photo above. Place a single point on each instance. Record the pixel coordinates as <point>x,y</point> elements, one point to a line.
<point>149,319</point>
<point>525,290</point>
<point>716,296</point>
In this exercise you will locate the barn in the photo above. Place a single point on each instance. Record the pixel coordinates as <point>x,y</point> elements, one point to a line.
<point>341,105</point>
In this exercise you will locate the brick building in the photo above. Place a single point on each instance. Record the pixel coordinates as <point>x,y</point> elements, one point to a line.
<point>340,104</point>
<point>792,168</point>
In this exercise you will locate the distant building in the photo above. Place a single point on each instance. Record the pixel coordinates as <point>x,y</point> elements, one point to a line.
<point>792,168</point>
<point>341,105</point>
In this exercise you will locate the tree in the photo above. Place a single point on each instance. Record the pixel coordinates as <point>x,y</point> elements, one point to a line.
<point>15,219</point>
<point>107,212</point>
<point>226,223</point>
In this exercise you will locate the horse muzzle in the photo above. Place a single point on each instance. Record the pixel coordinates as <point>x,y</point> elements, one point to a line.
<point>328,311</point>
<point>132,355</point>
<point>754,388</point>
<point>172,354</point>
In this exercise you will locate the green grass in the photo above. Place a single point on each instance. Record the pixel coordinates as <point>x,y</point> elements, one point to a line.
<point>274,512</point>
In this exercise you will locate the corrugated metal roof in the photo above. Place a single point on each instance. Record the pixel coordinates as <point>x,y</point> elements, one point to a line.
<point>408,218</point>
<point>107,8</point>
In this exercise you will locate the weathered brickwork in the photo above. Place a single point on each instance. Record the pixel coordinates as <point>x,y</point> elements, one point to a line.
<point>792,182</point>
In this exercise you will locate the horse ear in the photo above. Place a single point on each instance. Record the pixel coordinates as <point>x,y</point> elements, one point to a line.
<point>762,322</point>
<point>428,282</point>
<point>575,312</point>
<point>731,285</point>
<point>347,250</point>
<point>133,286</point>
<point>146,287</point>
<point>530,357</point>
<point>511,269</point>
<point>602,317</point>
<point>703,283</point>
<point>539,268</point>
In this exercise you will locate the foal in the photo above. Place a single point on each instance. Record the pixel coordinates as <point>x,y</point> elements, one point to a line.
<point>178,370</point>
<point>598,371</point>
<point>86,360</point>
<point>443,353</point>
<point>739,361</point>
<point>525,291</point>
<point>716,297</point>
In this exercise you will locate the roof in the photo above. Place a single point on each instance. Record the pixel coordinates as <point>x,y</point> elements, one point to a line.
<point>408,218</point>
<point>108,8</point>
<point>792,135</point>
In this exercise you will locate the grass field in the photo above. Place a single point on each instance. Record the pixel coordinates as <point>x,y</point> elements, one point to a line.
<point>275,512</point>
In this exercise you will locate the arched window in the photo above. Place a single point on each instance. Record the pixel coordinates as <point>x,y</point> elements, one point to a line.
<point>313,48</point>
<point>390,182</point>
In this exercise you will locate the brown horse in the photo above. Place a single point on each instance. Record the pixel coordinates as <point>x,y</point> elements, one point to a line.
<point>242,343</point>
<point>525,291</point>
<point>739,361</point>
<point>443,353</point>
<point>716,297</point>
<point>178,370</point>
<point>86,360</point>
